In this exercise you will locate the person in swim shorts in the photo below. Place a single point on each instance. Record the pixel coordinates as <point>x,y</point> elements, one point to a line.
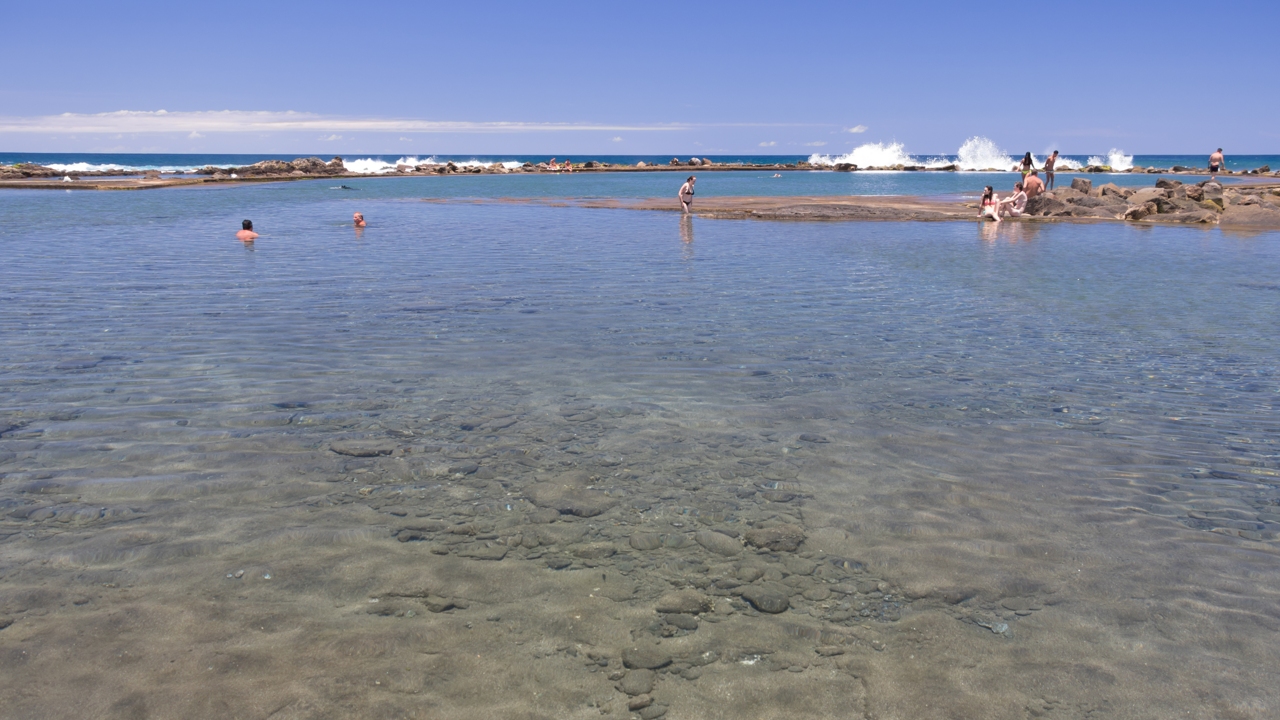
<point>1049,162</point>
<point>358,218</point>
<point>246,233</point>
<point>1033,185</point>
<point>686,193</point>
<point>1216,161</point>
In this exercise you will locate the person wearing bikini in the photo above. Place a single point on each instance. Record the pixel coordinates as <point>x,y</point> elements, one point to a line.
<point>990,206</point>
<point>686,194</point>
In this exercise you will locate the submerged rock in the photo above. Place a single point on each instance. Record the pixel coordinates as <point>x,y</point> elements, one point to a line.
<point>782,538</point>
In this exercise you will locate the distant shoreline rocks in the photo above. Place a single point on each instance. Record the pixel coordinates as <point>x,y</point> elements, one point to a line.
<point>313,167</point>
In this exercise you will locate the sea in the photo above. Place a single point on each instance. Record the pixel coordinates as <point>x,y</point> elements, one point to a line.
<point>493,458</point>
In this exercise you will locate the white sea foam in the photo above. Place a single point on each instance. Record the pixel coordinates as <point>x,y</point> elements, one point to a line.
<point>84,167</point>
<point>869,155</point>
<point>979,153</point>
<point>1066,164</point>
<point>370,166</point>
<point>1116,159</point>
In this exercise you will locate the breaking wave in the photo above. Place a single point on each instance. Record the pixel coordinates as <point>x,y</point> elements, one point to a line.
<point>869,155</point>
<point>373,166</point>
<point>1116,159</point>
<point>979,153</point>
<point>84,167</point>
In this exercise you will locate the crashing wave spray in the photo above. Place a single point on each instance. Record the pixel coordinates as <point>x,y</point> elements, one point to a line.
<point>1116,159</point>
<point>869,155</point>
<point>371,166</point>
<point>979,153</point>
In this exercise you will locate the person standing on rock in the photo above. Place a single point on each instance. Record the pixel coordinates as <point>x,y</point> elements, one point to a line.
<point>1049,162</point>
<point>1033,185</point>
<point>686,194</point>
<point>1216,161</point>
<point>246,233</point>
<point>1026,165</point>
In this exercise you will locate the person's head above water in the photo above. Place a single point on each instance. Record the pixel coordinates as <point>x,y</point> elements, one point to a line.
<point>246,225</point>
<point>358,218</point>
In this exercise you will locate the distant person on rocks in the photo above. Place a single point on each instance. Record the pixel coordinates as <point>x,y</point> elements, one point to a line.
<point>1049,163</point>
<point>568,165</point>
<point>1015,204</point>
<point>990,206</point>
<point>246,233</point>
<point>686,193</point>
<point>1032,184</point>
<point>358,218</point>
<point>1216,161</point>
<point>553,164</point>
<point>1026,165</point>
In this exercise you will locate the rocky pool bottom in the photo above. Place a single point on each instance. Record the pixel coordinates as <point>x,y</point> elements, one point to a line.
<point>776,471</point>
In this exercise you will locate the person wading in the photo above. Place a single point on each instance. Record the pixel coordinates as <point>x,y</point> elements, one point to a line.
<point>686,193</point>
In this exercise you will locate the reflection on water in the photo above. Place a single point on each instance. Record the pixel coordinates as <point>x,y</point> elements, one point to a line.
<point>1009,230</point>
<point>504,462</point>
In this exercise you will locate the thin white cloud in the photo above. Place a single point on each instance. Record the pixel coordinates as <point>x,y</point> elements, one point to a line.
<point>330,138</point>
<point>617,139</point>
<point>770,143</point>
<point>857,129</point>
<point>245,121</point>
<point>816,143</point>
<point>405,139</point>
<point>195,135</point>
<point>223,121</point>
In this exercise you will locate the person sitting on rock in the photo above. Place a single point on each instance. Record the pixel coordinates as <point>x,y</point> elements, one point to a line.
<point>568,165</point>
<point>1033,185</point>
<point>1049,162</point>
<point>246,233</point>
<point>1015,204</point>
<point>552,165</point>
<point>359,219</point>
<point>990,205</point>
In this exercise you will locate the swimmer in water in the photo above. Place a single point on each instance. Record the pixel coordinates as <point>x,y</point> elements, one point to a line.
<point>246,233</point>
<point>359,219</point>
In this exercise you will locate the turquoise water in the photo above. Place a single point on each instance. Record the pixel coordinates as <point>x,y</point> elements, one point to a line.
<point>1047,452</point>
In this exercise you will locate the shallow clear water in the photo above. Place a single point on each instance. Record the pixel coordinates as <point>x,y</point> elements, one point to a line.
<point>1051,449</point>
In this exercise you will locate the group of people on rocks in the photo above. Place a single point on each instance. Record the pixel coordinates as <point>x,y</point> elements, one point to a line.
<point>1015,204</point>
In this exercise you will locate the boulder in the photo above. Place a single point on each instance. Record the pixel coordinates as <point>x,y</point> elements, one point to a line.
<point>1193,192</point>
<point>706,162</point>
<point>1145,195</point>
<point>641,164</point>
<point>267,167</point>
<point>1137,212</point>
<point>1065,194</point>
<point>1082,185</point>
<point>1211,188</point>
<point>1045,205</point>
<point>1098,169</point>
<point>674,162</point>
<point>845,167</point>
<point>1259,215</point>
<point>591,164</point>
<point>1193,217</point>
<point>1166,184</point>
<point>1181,168</point>
<point>1264,169</point>
<point>694,161</point>
<point>685,602</point>
<point>782,538</point>
<point>569,500</point>
<point>769,597</point>
<point>645,657</point>
<point>947,168</point>
<point>718,543</point>
<point>310,166</point>
<point>1112,190</point>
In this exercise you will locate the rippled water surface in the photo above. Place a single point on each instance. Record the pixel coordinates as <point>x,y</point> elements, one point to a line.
<point>455,464</point>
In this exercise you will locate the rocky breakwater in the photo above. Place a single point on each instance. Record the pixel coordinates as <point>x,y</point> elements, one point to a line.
<point>26,170</point>
<point>1170,201</point>
<point>301,167</point>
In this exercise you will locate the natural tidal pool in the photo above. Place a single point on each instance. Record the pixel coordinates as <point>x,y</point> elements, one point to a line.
<point>554,462</point>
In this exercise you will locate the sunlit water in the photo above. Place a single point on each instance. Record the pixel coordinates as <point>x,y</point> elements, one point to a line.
<point>1037,465</point>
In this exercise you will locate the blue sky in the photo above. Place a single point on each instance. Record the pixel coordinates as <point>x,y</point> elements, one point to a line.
<point>638,78</point>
